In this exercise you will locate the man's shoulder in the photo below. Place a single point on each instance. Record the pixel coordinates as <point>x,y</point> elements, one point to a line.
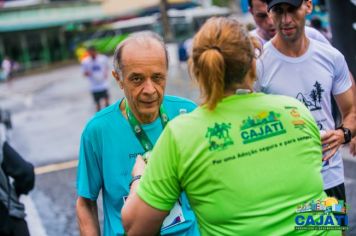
<point>255,34</point>
<point>103,57</point>
<point>102,117</point>
<point>86,61</point>
<point>268,46</point>
<point>326,48</point>
<point>316,35</point>
<point>268,50</point>
<point>269,54</point>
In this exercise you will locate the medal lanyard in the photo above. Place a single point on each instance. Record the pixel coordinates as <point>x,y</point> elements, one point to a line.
<point>137,129</point>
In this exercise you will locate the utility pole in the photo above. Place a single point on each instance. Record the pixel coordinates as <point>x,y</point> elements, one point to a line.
<point>167,33</point>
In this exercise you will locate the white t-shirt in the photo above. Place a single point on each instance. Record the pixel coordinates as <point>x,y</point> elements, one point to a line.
<point>98,70</point>
<point>315,34</point>
<point>311,78</point>
<point>309,32</point>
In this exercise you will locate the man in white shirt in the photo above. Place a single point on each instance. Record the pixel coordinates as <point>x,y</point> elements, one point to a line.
<point>265,30</point>
<point>295,65</point>
<point>95,68</point>
<point>6,68</point>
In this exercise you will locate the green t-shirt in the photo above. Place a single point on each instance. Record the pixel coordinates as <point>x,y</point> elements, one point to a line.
<point>245,166</point>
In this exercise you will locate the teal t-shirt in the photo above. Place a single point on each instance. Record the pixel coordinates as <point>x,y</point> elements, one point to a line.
<point>245,167</point>
<point>107,154</point>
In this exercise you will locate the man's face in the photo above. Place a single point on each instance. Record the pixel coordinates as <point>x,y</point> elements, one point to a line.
<point>144,78</point>
<point>262,18</point>
<point>290,20</point>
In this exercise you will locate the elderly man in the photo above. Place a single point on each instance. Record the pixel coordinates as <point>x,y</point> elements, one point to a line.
<point>115,136</point>
<point>293,64</point>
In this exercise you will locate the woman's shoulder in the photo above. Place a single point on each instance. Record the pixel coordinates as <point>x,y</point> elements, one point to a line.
<point>280,99</point>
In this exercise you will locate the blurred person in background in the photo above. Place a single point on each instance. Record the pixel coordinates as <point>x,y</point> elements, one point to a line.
<point>317,24</point>
<point>96,68</point>
<point>116,135</point>
<point>16,178</point>
<point>217,153</point>
<point>6,69</point>
<point>265,29</point>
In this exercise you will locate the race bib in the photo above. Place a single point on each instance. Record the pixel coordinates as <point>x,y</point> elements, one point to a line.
<point>175,216</point>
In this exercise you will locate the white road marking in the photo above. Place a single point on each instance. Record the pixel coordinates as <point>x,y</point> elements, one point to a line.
<point>56,167</point>
<point>34,221</point>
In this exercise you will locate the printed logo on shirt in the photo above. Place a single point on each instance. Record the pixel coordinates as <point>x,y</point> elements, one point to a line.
<point>312,100</point>
<point>322,214</point>
<point>263,125</point>
<point>96,67</point>
<point>219,137</point>
<point>297,121</point>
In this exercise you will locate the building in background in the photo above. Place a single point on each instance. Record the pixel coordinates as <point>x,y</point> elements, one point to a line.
<point>36,33</point>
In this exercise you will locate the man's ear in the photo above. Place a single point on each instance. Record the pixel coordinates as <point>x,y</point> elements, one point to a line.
<point>117,77</point>
<point>309,6</point>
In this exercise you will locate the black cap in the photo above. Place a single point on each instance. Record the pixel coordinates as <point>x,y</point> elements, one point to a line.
<point>272,3</point>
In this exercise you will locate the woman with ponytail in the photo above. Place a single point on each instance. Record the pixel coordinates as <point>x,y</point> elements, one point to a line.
<point>245,160</point>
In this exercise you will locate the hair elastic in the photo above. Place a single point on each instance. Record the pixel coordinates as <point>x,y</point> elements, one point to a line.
<point>215,48</point>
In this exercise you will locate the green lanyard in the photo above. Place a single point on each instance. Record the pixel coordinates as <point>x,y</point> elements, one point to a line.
<point>137,129</point>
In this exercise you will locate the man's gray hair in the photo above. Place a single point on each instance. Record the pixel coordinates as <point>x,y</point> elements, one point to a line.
<point>140,37</point>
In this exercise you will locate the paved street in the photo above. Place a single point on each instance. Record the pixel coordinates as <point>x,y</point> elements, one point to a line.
<point>49,112</point>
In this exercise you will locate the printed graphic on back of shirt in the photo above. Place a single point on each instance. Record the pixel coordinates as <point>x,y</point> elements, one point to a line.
<point>219,137</point>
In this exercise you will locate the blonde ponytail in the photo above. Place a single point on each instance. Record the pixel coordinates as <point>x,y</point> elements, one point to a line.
<point>211,72</point>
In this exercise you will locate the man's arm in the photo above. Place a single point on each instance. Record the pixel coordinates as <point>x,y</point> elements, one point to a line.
<point>353,141</point>
<point>85,68</point>
<point>334,138</point>
<point>87,214</point>
<point>347,106</point>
